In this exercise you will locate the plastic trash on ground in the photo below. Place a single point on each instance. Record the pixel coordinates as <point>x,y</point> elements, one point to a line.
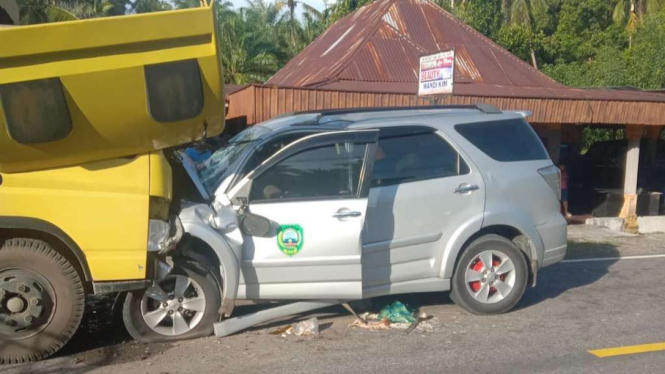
<point>371,325</point>
<point>302,328</point>
<point>307,327</point>
<point>397,313</point>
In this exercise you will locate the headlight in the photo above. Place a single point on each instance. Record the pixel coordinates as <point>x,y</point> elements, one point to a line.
<point>163,236</point>
<point>158,235</point>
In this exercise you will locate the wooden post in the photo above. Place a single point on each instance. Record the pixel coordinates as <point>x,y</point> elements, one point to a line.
<point>629,209</point>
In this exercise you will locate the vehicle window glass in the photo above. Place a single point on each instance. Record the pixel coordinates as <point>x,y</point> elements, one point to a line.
<point>401,159</point>
<point>324,172</point>
<point>174,90</point>
<point>213,170</point>
<point>506,140</point>
<point>35,111</point>
<point>268,149</point>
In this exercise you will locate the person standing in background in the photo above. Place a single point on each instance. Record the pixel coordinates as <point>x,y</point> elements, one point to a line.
<point>564,191</point>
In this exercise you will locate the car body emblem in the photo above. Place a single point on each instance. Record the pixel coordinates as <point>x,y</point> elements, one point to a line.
<point>290,239</point>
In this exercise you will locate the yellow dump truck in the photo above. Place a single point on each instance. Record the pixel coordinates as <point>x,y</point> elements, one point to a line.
<point>89,111</point>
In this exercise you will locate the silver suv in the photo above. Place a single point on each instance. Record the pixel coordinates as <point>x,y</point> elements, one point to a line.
<point>350,204</point>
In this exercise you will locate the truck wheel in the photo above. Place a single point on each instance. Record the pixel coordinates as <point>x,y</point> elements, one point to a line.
<point>490,277</point>
<point>41,301</point>
<point>184,305</point>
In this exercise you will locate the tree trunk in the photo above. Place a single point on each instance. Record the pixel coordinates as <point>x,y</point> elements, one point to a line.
<point>533,59</point>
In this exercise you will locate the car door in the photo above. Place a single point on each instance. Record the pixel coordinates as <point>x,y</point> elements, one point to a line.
<point>422,191</point>
<point>314,193</point>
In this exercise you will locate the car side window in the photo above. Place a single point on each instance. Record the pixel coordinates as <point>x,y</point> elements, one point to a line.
<point>324,172</point>
<point>413,157</point>
<point>265,151</point>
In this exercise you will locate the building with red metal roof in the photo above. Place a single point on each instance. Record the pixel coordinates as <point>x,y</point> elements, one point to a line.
<point>371,58</point>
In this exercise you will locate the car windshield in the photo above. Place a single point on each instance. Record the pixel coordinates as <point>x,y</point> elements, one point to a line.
<point>213,170</point>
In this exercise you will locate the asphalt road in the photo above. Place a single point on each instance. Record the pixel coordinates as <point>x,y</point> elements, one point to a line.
<point>576,307</point>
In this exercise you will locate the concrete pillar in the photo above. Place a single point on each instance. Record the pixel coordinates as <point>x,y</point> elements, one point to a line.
<point>653,134</point>
<point>629,209</point>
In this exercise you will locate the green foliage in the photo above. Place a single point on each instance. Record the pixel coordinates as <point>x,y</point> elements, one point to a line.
<point>641,66</point>
<point>581,43</point>
<point>520,40</point>
<point>646,58</point>
<point>484,16</point>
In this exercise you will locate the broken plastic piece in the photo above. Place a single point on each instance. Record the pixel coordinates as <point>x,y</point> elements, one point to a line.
<point>384,324</point>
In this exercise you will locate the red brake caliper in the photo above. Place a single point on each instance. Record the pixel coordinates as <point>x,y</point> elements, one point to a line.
<point>477,266</point>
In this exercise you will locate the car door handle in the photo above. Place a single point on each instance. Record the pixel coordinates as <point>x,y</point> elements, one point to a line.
<point>347,213</point>
<point>466,188</point>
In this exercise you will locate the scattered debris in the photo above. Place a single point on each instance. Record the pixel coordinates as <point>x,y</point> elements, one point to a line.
<point>421,318</point>
<point>397,313</point>
<point>282,330</point>
<point>308,327</point>
<point>348,307</point>
<point>384,324</point>
<point>302,328</point>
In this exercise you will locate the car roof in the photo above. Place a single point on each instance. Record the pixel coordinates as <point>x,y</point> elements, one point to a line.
<point>363,117</point>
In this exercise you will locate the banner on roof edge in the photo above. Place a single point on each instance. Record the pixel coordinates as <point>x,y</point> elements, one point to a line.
<point>436,74</point>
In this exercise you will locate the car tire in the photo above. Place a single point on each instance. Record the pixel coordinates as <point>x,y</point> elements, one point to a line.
<point>175,308</point>
<point>494,289</point>
<point>42,300</point>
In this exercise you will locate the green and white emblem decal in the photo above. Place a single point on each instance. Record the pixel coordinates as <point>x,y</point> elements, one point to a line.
<point>290,239</point>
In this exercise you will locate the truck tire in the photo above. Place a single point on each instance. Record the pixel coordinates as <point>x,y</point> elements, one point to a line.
<point>490,277</point>
<point>184,305</point>
<point>41,300</point>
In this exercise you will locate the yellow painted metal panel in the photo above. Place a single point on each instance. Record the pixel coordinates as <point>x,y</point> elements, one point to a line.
<point>161,176</point>
<point>103,206</point>
<point>100,64</point>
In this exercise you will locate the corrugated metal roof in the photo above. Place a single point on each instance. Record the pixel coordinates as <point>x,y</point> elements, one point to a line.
<point>377,49</point>
<point>382,42</point>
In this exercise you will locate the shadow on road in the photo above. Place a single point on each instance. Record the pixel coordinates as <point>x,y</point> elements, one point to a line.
<point>95,344</point>
<point>562,277</point>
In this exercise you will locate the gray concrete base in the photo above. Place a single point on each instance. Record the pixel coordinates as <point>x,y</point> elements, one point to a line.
<point>612,223</point>
<point>650,225</point>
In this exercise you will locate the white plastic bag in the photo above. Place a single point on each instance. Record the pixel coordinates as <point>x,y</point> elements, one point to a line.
<point>307,327</point>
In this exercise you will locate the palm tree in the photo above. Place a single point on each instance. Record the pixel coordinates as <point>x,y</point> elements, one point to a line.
<point>343,7</point>
<point>629,12</point>
<point>89,8</point>
<point>146,6</point>
<point>42,11</point>
<point>524,12</point>
<point>184,4</point>
<point>243,58</point>
<point>294,25</point>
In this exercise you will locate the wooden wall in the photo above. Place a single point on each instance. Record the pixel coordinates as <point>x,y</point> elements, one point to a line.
<point>259,103</point>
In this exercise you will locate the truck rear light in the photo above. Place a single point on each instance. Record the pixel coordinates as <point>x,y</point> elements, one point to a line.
<point>552,176</point>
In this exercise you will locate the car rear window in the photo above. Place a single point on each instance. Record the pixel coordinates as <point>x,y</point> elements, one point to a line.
<point>505,141</point>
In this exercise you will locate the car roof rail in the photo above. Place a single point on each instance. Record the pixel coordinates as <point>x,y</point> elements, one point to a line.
<point>484,108</point>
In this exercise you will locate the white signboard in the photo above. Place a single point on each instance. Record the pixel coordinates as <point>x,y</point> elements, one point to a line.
<point>436,74</point>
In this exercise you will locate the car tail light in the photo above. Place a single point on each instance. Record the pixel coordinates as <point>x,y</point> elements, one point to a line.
<point>552,176</point>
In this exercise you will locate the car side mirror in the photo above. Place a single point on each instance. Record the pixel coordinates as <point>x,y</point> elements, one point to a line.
<point>255,225</point>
